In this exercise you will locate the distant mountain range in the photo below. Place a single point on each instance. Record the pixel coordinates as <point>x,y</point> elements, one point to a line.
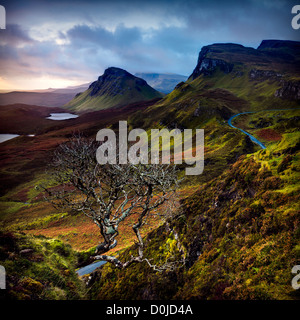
<point>54,97</point>
<point>115,88</point>
<point>47,98</point>
<point>163,82</point>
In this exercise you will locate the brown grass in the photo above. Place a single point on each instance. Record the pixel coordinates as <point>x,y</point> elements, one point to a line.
<point>80,231</point>
<point>268,135</point>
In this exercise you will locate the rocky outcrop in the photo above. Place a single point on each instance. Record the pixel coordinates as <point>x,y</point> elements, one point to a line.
<point>261,75</point>
<point>183,87</point>
<point>262,123</point>
<point>207,66</point>
<point>289,90</point>
<point>223,111</point>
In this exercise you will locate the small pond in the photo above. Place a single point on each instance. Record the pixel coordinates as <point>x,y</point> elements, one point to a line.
<point>7,136</point>
<point>62,116</point>
<point>89,268</point>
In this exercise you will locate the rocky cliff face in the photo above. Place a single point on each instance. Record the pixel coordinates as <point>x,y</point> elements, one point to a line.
<point>256,74</point>
<point>282,56</point>
<point>289,90</point>
<point>207,66</point>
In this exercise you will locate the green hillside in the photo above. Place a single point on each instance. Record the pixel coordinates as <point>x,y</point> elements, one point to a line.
<point>238,233</point>
<point>235,231</point>
<point>39,269</point>
<point>115,88</point>
<point>230,78</point>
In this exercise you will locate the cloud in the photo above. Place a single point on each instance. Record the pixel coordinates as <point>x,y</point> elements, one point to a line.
<point>14,35</point>
<point>133,48</point>
<point>100,36</point>
<point>79,39</point>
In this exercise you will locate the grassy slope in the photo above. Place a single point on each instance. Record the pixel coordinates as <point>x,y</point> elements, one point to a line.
<point>239,234</point>
<point>25,119</point>
<point>23,158</point>
<point>256,192</point>
<point>39,268</point>
<point>222,240</point>
<point>239,231</point>
<point>47,272</point>
<point>85,101</point>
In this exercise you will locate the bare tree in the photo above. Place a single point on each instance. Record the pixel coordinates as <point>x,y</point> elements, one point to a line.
<point>108,194</point>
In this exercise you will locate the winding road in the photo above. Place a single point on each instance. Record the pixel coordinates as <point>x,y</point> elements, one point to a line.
<point>247,133</point>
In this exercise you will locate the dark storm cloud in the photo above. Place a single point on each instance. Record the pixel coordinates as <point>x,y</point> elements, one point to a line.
<point>122,36</point>
<point>14,34</point>
<point>82,38</point>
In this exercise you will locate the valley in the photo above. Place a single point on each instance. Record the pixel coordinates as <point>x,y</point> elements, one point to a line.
<point>235,226</point>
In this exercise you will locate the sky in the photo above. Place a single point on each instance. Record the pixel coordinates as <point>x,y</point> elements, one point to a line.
<point>60,43</point>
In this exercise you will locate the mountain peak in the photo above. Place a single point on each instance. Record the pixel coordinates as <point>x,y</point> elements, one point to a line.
<point>116,87</point>
<point>206,64</point>
<point>113,82</point>
<point>274,44</point>
<point>117,72</point>
<point>224,56</point>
